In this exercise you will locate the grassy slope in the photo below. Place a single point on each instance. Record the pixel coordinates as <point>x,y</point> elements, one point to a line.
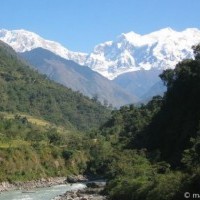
<point>24,156</point>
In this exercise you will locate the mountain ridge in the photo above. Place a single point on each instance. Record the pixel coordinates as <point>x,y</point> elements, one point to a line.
<point>22,40</point>
<point>24,90</point>
<point>129,52</point>
<point>78,78</point>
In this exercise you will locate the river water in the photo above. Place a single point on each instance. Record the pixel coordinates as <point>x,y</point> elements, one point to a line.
<point>41,193</point>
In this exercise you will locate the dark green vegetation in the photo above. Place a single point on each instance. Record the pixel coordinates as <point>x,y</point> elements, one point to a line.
<point>156,147</point>
<point>147,152</point>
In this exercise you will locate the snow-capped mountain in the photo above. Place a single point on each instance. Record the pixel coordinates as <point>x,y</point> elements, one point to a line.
<point>128,52</point>
<point>22,41</point>
<point>131,52</point>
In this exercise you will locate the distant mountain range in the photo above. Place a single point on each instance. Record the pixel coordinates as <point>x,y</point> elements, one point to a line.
<point>128,52</point>
<point>78,78</point>
<point>131,61</point>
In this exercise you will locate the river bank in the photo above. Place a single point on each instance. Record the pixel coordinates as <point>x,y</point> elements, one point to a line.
<point>89,190</point>
<point>44,193</point>
<point>28,185</point>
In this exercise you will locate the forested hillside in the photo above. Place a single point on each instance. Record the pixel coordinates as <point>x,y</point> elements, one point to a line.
<point>155,147</point>
<point>42,124</point>
<point>23,90</point>
<point>30,150</point>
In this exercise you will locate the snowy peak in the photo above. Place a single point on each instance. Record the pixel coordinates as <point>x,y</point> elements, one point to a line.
<point>131,52</point>
<point>22,40</point>
<point>129,37</point>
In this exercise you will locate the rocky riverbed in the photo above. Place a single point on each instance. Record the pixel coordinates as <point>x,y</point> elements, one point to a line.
<point>44,182</point>
<point>93,191</point>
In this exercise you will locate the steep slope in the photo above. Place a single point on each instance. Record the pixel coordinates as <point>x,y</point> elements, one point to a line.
<point>78,78</point>
<point>31,149</point>
<point>24,90</point>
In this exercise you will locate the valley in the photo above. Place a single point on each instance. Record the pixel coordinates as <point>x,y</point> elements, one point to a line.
<point>145,151</point>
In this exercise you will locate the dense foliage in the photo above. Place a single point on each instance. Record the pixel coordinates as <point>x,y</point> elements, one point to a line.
<point>179,117</point>
<point>156,147</point>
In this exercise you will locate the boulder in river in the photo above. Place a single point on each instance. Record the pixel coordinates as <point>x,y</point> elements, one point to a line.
<point>76,179</point>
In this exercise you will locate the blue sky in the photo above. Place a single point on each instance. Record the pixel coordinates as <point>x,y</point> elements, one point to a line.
<point>81,24</point>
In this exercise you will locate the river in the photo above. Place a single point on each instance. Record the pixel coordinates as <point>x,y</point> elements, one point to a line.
<point>41,193</point>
